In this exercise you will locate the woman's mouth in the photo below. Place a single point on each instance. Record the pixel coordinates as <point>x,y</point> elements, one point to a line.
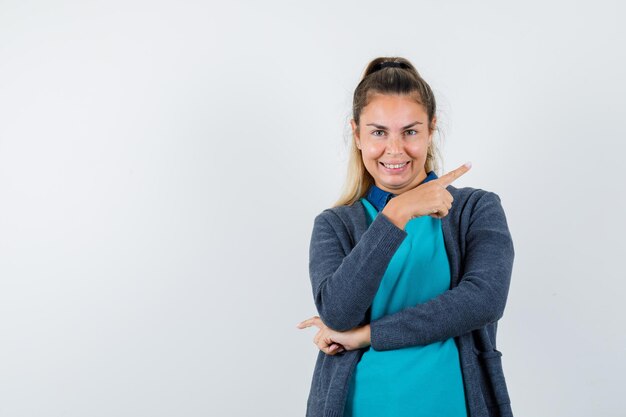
<point>392,168</point>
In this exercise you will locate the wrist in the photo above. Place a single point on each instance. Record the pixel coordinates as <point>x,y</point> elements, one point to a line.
<point>367,336</point>
<point>394,211</point>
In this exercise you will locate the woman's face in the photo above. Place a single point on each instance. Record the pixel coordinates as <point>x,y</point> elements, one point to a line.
<point>394,130</point>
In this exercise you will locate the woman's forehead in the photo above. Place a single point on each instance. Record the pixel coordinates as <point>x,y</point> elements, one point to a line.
<point>394,109</point>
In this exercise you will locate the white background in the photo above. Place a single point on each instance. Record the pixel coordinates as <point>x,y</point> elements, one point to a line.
<point>161,164</point>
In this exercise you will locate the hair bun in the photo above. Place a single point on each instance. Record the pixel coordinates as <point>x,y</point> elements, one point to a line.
<point>389,64</point>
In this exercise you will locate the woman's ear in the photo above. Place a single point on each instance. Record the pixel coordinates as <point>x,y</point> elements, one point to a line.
<point>355,133</point>
<point>433,124</point>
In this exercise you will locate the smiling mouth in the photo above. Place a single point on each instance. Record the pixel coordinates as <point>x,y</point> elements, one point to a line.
<point>395,166</point>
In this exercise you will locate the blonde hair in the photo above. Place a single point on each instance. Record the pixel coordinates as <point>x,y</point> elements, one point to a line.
<point>402,79</point>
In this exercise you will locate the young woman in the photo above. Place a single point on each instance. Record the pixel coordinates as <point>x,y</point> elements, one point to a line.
<point>409,274</point>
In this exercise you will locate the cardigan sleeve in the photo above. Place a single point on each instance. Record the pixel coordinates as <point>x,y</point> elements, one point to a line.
<point>477,300</point>
<point>345,281</point>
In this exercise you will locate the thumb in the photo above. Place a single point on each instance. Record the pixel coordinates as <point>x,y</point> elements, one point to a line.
<point>313,321</point>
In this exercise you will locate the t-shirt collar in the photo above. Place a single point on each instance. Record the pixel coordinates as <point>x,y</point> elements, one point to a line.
<point>379,198</point>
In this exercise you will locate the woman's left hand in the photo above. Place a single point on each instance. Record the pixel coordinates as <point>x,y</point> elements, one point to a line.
<point>332,341</point>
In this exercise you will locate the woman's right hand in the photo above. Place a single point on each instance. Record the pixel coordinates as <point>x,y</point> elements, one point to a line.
<point>429,199</point>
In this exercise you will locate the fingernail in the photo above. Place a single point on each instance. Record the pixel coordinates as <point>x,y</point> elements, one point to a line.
<point>468,164</point>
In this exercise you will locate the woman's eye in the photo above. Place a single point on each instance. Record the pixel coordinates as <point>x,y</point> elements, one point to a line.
<point>378,131</point>
<point>414,132</point>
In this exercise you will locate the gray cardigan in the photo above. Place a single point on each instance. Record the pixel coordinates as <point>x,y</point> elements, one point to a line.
<point>347,261</point>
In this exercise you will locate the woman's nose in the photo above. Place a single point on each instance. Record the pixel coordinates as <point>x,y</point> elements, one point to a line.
<point>394,146</point>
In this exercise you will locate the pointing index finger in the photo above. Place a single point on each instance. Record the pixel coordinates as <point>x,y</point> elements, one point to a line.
<point>451,176</point>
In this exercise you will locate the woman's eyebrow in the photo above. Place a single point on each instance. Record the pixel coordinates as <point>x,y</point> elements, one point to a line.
<point>385,128</point>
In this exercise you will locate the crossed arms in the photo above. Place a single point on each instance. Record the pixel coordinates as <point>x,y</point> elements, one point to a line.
<point>344,282</point>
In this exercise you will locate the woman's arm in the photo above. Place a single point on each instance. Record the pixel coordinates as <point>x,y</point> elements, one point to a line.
<point>344,285</point>
<point>479,298</point>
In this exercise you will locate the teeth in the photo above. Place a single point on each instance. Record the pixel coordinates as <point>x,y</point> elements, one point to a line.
<point>394,166</point>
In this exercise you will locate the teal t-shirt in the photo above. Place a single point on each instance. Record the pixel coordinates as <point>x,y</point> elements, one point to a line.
<point>418,380</point>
